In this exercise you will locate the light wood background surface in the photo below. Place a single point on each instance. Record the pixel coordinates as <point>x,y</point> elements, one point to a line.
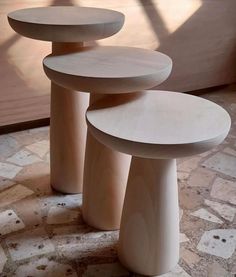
<point>199,35</point>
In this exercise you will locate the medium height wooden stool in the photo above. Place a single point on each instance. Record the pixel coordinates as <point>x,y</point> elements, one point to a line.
<point>155,127</point>
<point>67,28</point>
<point>103,71</point>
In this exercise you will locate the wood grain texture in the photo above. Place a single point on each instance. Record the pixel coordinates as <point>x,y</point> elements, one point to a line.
<point>67,132</point>
<point>155,127</point>
<point>158,124</point>
<point>62,26</point>
<point>109,69</point>
<point>149,233</point>
<point>105,178</point>
<point>198,35</point>
<point>104,183</point>
<point>67,139</point>
<point>66,24</point>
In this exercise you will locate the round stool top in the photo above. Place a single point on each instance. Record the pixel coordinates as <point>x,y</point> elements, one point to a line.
<point>108,69</point>
<point>65,23</point>
<point>158,124</point>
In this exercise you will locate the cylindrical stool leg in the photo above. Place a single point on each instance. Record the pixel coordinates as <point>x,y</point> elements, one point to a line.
<point>105,178</point>
<point>67,132</point>
<point>149,234</point>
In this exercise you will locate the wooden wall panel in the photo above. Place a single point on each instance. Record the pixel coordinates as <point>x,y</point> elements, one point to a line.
<point>199,35</point>
<point>24,90</point>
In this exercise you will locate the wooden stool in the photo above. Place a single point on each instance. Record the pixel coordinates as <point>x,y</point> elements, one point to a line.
<point>67,28</point>
<point>155,127</point>
<point>102,71</point>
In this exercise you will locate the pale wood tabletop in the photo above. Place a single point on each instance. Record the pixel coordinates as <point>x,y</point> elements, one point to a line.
<point>66,24</point>
<point>159,123</point>
<point>109,69</point>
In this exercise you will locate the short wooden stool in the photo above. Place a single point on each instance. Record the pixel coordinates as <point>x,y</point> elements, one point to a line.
<point>102,71</point>
<point>155,127</point>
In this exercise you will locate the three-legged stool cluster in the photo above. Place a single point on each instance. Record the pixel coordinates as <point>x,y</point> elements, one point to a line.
<point>124,121</point>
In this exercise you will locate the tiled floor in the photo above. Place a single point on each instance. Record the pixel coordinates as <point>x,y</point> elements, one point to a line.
<point>42,232</point>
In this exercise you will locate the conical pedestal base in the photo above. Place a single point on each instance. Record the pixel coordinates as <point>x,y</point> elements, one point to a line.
<point>149,233</point>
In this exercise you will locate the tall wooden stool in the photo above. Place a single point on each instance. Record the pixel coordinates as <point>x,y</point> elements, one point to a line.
<point>155,127</point>
<point>105,71</point>
<point>67,28</point>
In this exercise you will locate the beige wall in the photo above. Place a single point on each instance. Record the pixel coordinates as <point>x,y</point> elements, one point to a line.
<point>199,35</point>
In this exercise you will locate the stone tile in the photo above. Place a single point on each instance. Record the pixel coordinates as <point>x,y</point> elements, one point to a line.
<point>204,154</point>
<point>22,137</point>
<point>183,238</point>
<point>225,211</point>
<point>5,183</point>
<point>40,130</point>
<point>29,244</point>
<point>9,170</point>
<point>230,151</point>
<point>14,194</point>
<point>106,270</point>
<point>28,137</point>
<point>190,199</point>
<point>219,242</point>
<point>3,259</point>
<point>36,176</point>
<point>189,165</point>
<point>223,163</point>
<point>10,222</point>
<point>73,201</point>
<point>77,242</point>
<point>29,211</point>
<point>201,178</point>
<point>224,190</point>
<point>23,158</point>
<point>60,215</point>
<point>177,272</point>
<point>182,176</point>
<point>190,257</point>
<point>71,230</point>
<point>45,268</point>
<point>40,148</point>
<point>204,214</point>
<point>68,234</point>
<point>71,235</point>
<point>216,270</point>
<point>8,146</point>
<point>84,250</point>
<point>193,226</point>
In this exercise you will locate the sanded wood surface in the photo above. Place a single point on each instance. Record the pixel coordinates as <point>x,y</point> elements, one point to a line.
<point>149,233</point>
<point>66,24</point>
<point>67,131</point>
<point>199,35</point>
<point>155,127</point>
<point>62,26</point>
<point>158,124</point>
<point>109,69</point>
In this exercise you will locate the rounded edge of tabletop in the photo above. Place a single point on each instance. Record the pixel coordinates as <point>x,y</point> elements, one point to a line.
<point>67,33</point>
<point>157,150</point>
<point>110,84</point>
